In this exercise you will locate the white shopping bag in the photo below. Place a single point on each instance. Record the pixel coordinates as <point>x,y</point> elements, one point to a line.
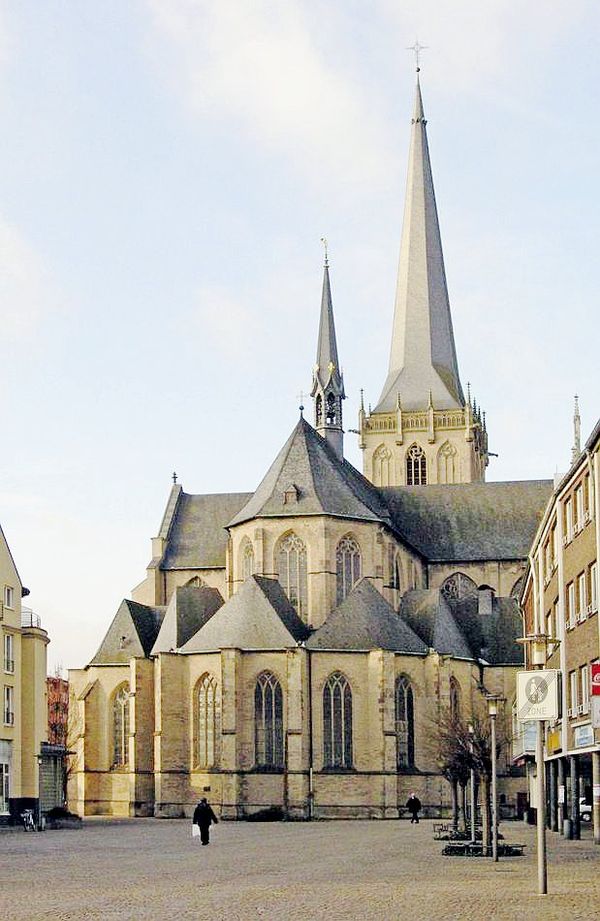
<point>195,831</point>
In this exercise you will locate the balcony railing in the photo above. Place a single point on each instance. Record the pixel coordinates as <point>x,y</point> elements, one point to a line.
<point>9,666</point>
<point>29,618</point>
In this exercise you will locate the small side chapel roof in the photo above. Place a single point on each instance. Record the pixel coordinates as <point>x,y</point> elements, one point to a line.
<point>132,633</point>
<point>258,616</point>
<point>325,484</point>
<point>430,616</point>
<point>188,610</point>
<point>494,635</point>
<point>197,538</point>
<point>365,620</point>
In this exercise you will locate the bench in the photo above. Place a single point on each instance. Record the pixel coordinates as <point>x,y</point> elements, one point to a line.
<point>440,830</point>
<point>511,850</point>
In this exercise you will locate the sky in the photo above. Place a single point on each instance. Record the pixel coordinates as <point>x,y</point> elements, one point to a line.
<point>167,169</point>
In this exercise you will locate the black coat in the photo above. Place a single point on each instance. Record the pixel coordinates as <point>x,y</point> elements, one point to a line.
<point>413,804</point>
<point>204,816</point>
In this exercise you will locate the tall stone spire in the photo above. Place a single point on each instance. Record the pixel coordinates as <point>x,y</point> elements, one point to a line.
<point>328,382</point>
<point>423,354</point>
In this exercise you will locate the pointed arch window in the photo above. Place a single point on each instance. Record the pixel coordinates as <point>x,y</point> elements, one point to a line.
<point>318,410</point>
<point>515,591</point>
<point>268,722</point>
<point>416,466</point>
<point>458,585</point>
<point>447,463</point>
<point>348,566</point>
<point>120,726</point>
<point>331,410</point>
<point>206,725</point>
<point>405,724</point>
<point>292,571</point>
<point>195,582</point>
<point>247,554</point>
<point>382,466</point>
<point>454,699</point>
<point>337,722</point>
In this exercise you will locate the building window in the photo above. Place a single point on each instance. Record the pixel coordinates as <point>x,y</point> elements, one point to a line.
<point>579,507</point>
<point>206,721</point>
<point>570,605</point>
<point>458,586</point>
<point>416,466</point>
<point>4,786</point>
<point>247,560</point>
<point>268,722</point>
<point>348,565</point>
<point>195,582</point>
<point>581,596</point>
<point>331,410</point>
<point>568,520</point>
<point>554,544</point>
<point>120,723</point>
<point>382,466</point>
<point>447,463</point>
<point>573,682</point>
<point>585,688</point>
<point>292,573</point>
<point>594,587</point>
<point>337,722</point>
<point>405,724</point>
<point>454,699</point>
<point>9,705</point>
<point>549,623</point>
<point>9,596</point>
<point>318,411</point>
<point>9,656</point>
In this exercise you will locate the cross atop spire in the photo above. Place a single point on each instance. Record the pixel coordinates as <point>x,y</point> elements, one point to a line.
<point>417,48</point>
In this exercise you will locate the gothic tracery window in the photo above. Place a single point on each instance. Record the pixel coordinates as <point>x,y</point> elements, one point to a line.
<point>447,463</point>
<point>348,566</point>
<point>416,466</point>
<point>120,725</point>
<point>405,724</point>
<point>206,725</point>
<point>268,721</point>
<point>454,699</point>
<point>196,582</point>
<point>331,410</point>
<point>247,560</point>
<point>515,591</point>
<point>458,585</point>
<point>337,722</point>
<point>292,571</point>
<point>382,466</point>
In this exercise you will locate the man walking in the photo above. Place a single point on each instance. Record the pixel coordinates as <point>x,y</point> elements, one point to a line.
<point>413,804</point>
<point>203,817</point>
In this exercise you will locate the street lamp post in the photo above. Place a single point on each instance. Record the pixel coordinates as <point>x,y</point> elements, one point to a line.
<point>492,703</point>
<point>473,804</point>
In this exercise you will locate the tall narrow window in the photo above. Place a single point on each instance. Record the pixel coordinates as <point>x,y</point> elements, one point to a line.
<point>9,705</point>
<point>247,560</point>
<point>337,722</point>
<point>405,724</point>
<point>594,586</point>
<point>573,687</point>
<point>581,596</point>
<point>319,410</point>
<point>268,721</point>
<point>207,721</point>
<point>571,604</point>
<point>585,688</point>
<point>447,463</point>
<point>291,571</point>
<point>348,563</point>
<point>416,466</point>
<point>568,519</point>
<point>331,412</point>
<point>382,466</point>
<point>9,655</point>
<point>579,506</point>
<point>120,722</point>
<point>454,699</point>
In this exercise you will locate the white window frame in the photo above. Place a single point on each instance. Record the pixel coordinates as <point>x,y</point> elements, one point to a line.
<point>4,787</point>
<point>570,605</point>
<point>594,586</point>
<point>574,687</point>
<point>9,705</point>
<point>585,688</point>
<point>569,519</point>
<point>9,654</point>
<point>579,510</point>
<point>581,596</point>
<point>9,597</point>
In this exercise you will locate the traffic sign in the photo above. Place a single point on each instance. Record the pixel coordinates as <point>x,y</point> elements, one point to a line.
<point>537,695</point>
<point>595,679</point>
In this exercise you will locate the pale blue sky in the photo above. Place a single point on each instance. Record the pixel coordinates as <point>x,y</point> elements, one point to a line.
<point>166,172</point>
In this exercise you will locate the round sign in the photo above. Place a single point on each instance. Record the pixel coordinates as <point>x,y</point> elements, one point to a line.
<point>536,690</point>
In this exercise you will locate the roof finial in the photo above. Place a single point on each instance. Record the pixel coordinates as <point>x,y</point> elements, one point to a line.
<point>324,242</point>
<point>417,48</point>
<point>362,399</point>
<point>301,396</point>
<point>174,475</point>
<point>576,450</point>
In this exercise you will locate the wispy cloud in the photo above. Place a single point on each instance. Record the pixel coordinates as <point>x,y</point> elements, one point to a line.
<point>261,64</point>
<point>26,291</point>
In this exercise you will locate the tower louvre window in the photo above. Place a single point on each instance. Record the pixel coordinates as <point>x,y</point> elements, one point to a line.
<point>331,410</point>
<point>318,410</point>
<point>416,466</point>
<point>268,721</point>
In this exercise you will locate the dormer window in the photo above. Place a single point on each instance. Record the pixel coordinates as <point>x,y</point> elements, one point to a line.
<point>291,495</point>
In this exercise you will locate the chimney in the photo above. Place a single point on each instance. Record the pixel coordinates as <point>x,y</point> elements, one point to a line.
<point>485,599</point>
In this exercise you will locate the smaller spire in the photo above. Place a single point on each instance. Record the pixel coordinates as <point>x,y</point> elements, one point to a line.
<point>362,400</point>
<point>576,449</point>
<point>174,475</point>
<point>324,242</point>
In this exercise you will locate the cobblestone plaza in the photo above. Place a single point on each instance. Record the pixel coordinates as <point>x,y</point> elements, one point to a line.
<point>151,869</point>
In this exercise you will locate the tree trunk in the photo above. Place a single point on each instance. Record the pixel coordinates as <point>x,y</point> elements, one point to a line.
<point>454,795</point>
<point>486,817</point>
<point>462,806</point>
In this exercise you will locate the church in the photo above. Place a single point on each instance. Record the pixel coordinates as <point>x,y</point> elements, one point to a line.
<point>290,649</point>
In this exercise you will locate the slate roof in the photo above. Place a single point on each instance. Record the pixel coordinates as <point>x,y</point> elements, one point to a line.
<point>197,536</point>
<point>132,632</point>
<point>188,610</point>
<point>431,618</point>
<point>325,484</point>
<point>472,521</point>
<point>258,616</point>
<point>365,620</point>
<point>493,636</point>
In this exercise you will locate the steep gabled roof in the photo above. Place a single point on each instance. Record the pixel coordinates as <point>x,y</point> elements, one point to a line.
<point>132,632</point>
<point>493,635</point>
<point>197,536</point>
<point>325,484</point>
<point>258,616</point>
<point>430,616</point>
<point>365,620</point>
<point>470,521</point>
<point>189,609</point>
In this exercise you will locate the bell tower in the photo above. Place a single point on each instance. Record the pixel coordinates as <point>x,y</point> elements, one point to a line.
<point>328,382</point>
<point>422,430</point>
